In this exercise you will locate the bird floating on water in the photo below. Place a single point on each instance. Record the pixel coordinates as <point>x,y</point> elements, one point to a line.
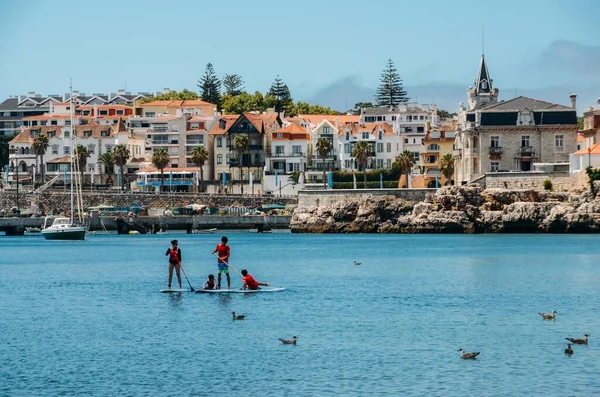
<point>468,356</point>
<point>238,316</point>
<point>357,263</point>
<point>289,341</point>
<point>568,350</point>
<point>548,316</point>
<point>576,341</point>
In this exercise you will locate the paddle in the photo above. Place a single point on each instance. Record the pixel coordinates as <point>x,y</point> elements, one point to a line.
<point>228,265</point>
<point>186,277</point>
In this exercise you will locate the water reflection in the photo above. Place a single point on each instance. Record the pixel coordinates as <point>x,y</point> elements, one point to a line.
<point>175,300</point>
<point>224,299</point>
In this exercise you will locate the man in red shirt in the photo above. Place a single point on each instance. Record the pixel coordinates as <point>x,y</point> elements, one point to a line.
<point>250,282</point>
<point>223,252</point>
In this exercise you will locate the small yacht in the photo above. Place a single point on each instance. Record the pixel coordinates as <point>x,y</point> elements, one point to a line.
<point>63,229</point>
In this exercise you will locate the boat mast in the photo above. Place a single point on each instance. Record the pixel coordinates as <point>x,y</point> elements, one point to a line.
<point>71,146</point>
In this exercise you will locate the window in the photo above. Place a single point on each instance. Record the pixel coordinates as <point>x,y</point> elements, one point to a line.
<point>494,166</point>
<point>67,134</point>
<point>87,134</point>
<point>51,134</point>
<point>347,148</point>
<point>379,118</point>
<point>279,135</point>
<point>219,158</point>
<point>380,135</point>
<point>86,112</point>
<point>66,150</point>
<point>53,122</point>
<point>379,163</point>
<point>422,117</point>
<point>149,114</point>
<point>347,135</point>
<point>54,149</point>
<point>120,112</point>
<point>388,163</point>
<point>379,147</point>
<point>219,141</point>
<point>431,159</point>
<point>415,156</point>
<point>406,141</point>
<point>559,143</point>
<point>525,141</point>
<point>408,118</point>
<point>326,130</point>
<point>279,150</point>
<point>369,119</point>
<point>421,129</point>
<point>104,134</point>
<point>67,122</point>
<point>393,118</point>
<point>495,141</point>
<point>388,147</point>
<point>347,163</point>
<point>109,148</point>
<point>365,135</point>
<point>91,149</point>
<point>297,150</point>
<point>433,147</point>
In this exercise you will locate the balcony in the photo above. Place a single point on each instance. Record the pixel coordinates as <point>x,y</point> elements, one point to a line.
<point>526,151</point>
<point>195,142</point>
<point>457,152</point>
<point>496,150</point>
<point>235,163</point>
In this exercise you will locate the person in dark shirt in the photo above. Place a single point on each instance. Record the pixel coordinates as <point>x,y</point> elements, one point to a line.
<point>210,282</point>
<point>174,253</point>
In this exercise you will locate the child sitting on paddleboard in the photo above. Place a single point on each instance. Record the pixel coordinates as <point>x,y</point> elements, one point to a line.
<point>250,282</point>
<point>210,282</point>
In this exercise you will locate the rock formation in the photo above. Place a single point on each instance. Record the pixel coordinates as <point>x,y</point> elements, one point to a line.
<point>456,209</point>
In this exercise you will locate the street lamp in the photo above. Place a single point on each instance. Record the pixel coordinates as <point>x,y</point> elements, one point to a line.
<point>14,152</point>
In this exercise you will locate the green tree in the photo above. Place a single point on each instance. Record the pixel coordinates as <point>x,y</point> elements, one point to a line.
<point>108,161</point>
<point>210,86</point>
<point>244,102</point>
<point>295,177</point>
<point>233,84</point>
<point>390,91</point>
<point>447,167</point>
<point>241,143</point>
<point>121,155</point>
<point>199,157</point>
<point>443,114</point>
<point>361,151</point>
<point>360,105</point>
<point>306,108</point>
<point>283,99</point>
<point>172,95</point>
<point>160,159</point>
<point>81,156</point>
<point>324,147</point>
<point>40,146</point>
<point>404,163</point>
<point>580,123</point>
<point>4,148</point>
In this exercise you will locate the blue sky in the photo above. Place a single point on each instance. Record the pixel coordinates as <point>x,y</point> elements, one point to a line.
<point>323,50</point>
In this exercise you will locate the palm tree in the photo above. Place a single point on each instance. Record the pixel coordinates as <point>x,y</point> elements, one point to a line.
<point>121,155</point>
<point>81,156</point>
<point>447,167</point>
<point>161,159</point>
<point>324,147</point>
<point>107,159</point>
<point>361,151</point>
<point>241,143</point>
<point>404,163</point>
<point>39,146</point>
<point>199,157</point>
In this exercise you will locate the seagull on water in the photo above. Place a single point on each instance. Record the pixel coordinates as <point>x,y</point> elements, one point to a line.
<point>357,263</point>
<point>548,316</point>
<point>468,356</point>
<point>289,341</point>
<point>238,316</point>
<point>583,341</point>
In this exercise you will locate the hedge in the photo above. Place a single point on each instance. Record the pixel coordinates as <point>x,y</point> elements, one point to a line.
<point>388,175</point>
<point>370,185</point>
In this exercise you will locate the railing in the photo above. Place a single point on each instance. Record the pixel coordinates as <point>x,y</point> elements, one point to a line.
<point>158,130</point>
<point>195,142</point>
<point>295,154</point>
<point>526,151</point>
<point>457,152</point>
<point>496,150</point>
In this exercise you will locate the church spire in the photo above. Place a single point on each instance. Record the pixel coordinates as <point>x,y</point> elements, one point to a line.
<point>483,83</point>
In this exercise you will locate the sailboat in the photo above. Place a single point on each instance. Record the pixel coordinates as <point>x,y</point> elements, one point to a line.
<point>64,228</point>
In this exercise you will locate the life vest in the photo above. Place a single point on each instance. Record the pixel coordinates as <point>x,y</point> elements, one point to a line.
<point>173,257</point>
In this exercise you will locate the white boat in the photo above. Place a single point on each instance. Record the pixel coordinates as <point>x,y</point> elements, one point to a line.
<point>204,231</point>
<point>63,229</point>
<point>33,230</point>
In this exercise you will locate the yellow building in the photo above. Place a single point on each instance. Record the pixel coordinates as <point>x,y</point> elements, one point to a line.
<point>195,107</point>
<point>439,141</point>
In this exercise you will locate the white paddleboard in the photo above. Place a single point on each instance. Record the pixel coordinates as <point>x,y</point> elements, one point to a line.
<point>170,291</point>
<point>238,291</point>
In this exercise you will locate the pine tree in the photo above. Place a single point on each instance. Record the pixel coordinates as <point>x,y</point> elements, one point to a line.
<point>390,91</point>
<point>233,84</point>
<point>281,93</point>
<point>210,86</point>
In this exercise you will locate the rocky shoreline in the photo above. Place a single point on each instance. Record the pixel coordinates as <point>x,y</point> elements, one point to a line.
<point>457,209</point>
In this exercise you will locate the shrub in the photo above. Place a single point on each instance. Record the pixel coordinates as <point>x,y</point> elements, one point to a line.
<point>593,175</point>
<point>548,184</point>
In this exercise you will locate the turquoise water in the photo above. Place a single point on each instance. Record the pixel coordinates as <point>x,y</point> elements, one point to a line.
<point>86,317</point>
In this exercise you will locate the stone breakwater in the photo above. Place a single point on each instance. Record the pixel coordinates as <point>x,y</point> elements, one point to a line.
<point>456,209</point>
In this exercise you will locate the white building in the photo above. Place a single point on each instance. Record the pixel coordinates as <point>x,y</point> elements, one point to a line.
<point>385,144</point>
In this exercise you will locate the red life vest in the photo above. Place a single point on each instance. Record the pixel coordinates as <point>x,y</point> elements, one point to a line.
<point>173,255</point>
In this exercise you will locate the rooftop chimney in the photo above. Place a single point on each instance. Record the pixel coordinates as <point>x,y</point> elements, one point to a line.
<point>598,101</point>
<point>573,98</point>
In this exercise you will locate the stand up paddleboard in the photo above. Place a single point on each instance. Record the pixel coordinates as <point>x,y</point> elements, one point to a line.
<point>170,291</point>
<point>238,291</point>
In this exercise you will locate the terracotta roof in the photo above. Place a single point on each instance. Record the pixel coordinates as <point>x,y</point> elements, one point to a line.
<point>25,135</point>
<point>120,127</point>
<point>96,130</point>
<point>372,128</point>
<point>580,137</point>
<point>255,119</point>
<point>181,104</point>
<point>316,119</point>
<point>50,117</point>
<point>103,107</point>
<point>216,128</point>
<point>595,149</point>
<point>291,132</point>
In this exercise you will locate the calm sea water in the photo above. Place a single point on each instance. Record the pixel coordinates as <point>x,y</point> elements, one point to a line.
<point>86,318</point>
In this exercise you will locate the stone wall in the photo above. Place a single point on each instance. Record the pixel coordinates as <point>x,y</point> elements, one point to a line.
<point>308,198</point>
<point>60,200</point>
<point>561,181</point>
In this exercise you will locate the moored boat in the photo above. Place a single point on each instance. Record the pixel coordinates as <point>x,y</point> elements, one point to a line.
<point>63,229</point>
<point>204,231</point>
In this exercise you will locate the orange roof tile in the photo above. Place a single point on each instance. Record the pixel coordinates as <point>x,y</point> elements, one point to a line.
<point>182,104</point>
<point>51,117</point>
<point>594,149</point>
<point>316,119</point>
<point>216,128</point>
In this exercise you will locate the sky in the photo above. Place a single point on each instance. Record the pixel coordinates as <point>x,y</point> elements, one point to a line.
<point>328,52</point>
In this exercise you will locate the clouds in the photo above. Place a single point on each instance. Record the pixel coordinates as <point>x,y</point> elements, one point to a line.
<point>571,57</point>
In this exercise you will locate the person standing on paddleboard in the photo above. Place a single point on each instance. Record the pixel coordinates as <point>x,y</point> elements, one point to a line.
<point>174,253</point>
<point>250,282</point>
<point>223,251</point>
